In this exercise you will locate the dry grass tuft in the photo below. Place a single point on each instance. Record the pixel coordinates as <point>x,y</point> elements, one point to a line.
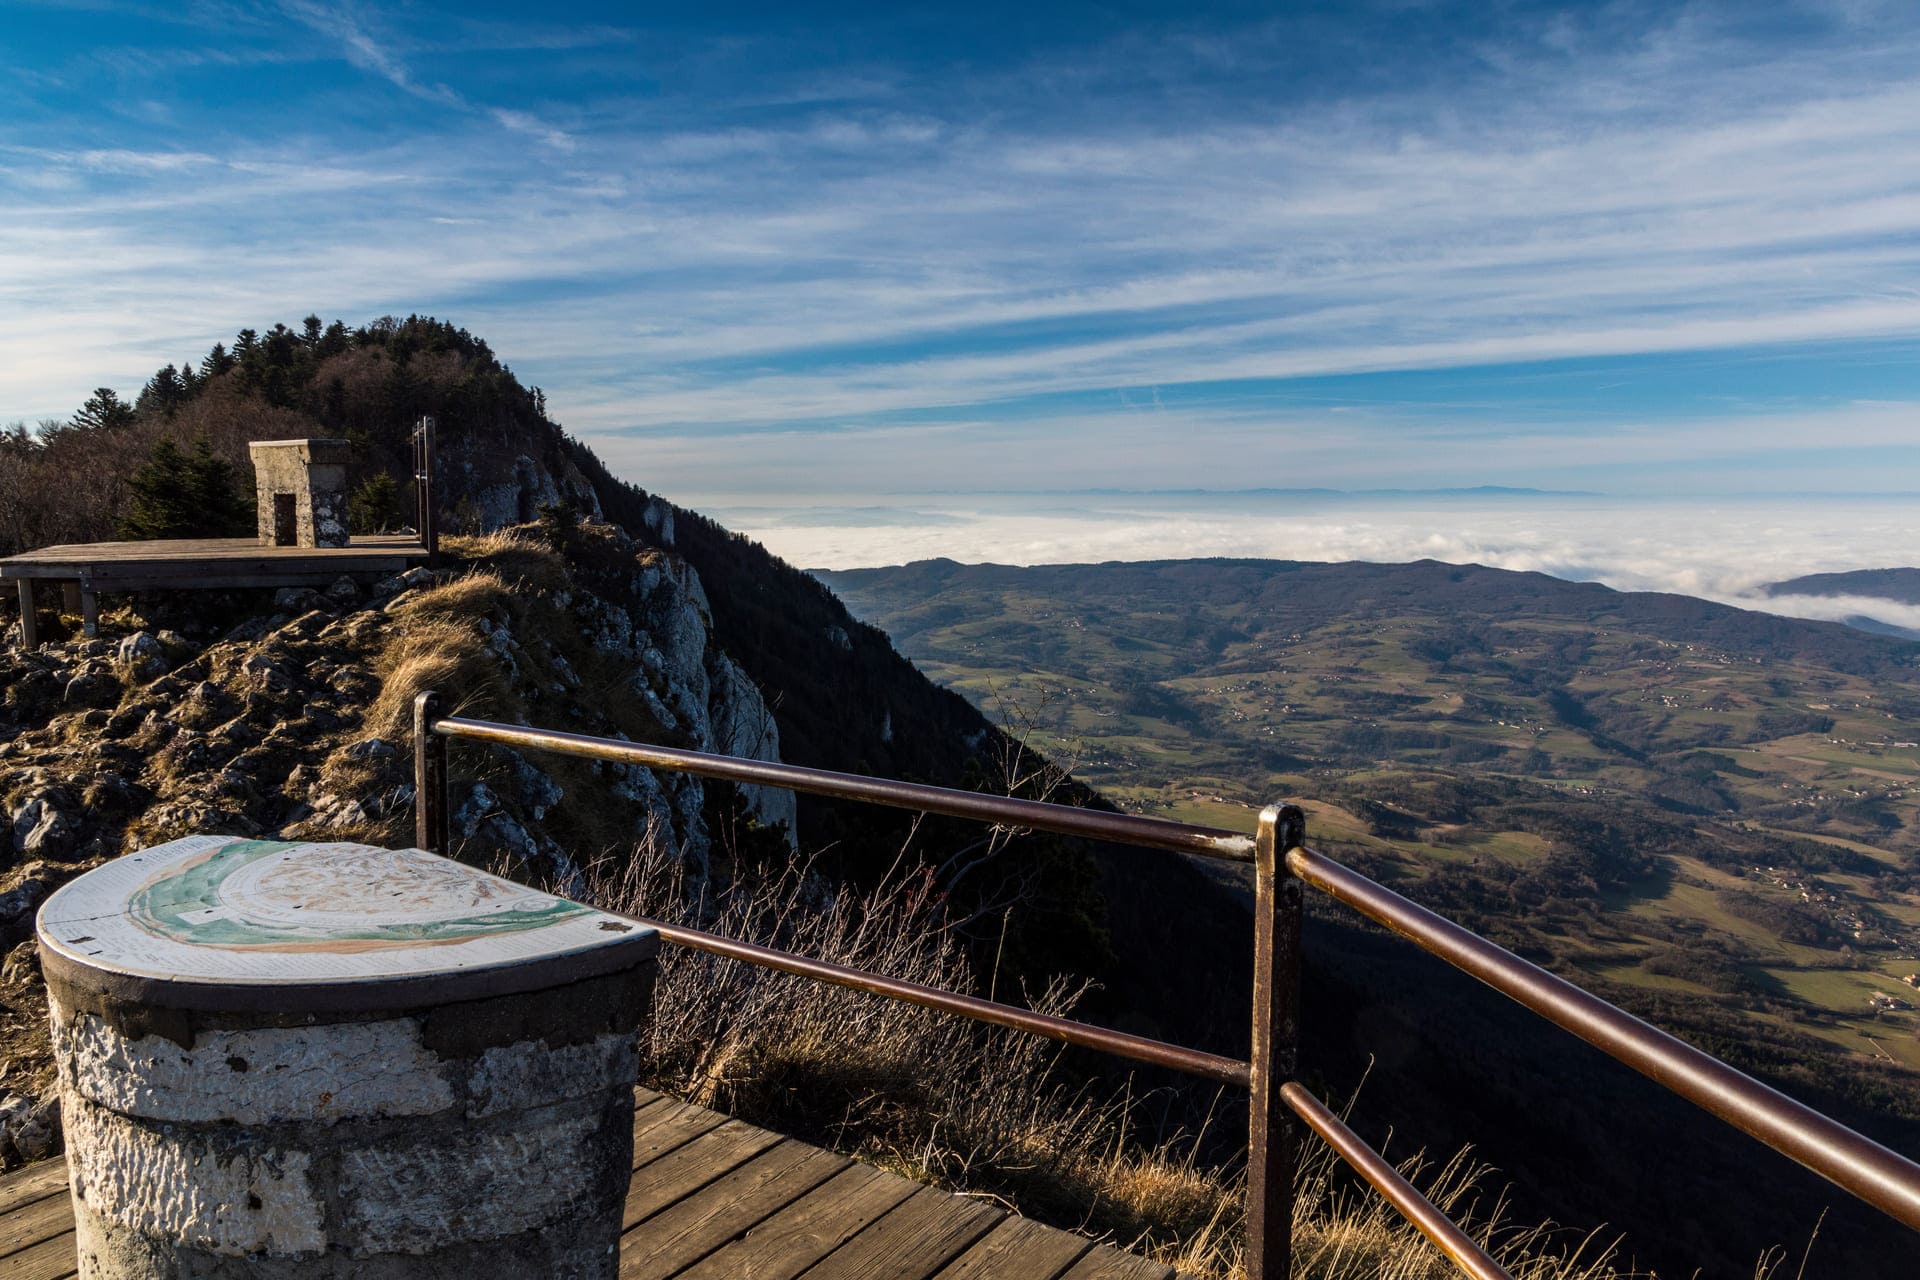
<point>517,554</point>
<point>470,595</point>
<point>982,1110</point>
<point>437,643</point>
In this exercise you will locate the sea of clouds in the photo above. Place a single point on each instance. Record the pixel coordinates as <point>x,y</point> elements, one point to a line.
<point>1725,549</point>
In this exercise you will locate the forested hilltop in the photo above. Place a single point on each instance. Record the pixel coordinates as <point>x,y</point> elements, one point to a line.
<point>171,461</point>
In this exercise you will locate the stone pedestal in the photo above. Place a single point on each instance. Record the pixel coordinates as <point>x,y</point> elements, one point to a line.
<point>330,1060</point>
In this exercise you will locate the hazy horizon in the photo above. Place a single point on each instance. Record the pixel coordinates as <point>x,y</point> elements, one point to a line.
<point>1722,549</point>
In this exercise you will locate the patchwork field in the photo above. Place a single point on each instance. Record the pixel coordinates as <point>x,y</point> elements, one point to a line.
<point>1667,795</point>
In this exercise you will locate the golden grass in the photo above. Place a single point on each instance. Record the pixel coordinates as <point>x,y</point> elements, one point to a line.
<point>437,643</point>
<point>516,554</point>
<point>986,1111</point>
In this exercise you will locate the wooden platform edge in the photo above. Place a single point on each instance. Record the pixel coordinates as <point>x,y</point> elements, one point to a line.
<point>715,1196</point>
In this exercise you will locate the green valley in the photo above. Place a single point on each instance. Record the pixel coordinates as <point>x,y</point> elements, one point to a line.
<point>1696,807</point>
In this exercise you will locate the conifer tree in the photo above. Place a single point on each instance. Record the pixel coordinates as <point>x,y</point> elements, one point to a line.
<point>104,410</point>
<point>186,495</point>
<point>163,393</point>
<point>217,361</point>
<point>374,507</point>
<point>335,340</point>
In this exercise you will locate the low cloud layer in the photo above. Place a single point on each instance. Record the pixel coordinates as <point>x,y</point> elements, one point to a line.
<point>1726,551</point>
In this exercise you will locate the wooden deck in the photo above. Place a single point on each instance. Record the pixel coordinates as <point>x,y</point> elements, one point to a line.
<point>84,569</point>
<point>211,562</point>
<point>714,1198</point>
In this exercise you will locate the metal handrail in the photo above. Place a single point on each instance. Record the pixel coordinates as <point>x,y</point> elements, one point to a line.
<point>1038,815</point>
<point>1283,863</point>
<point>1882,1178</point>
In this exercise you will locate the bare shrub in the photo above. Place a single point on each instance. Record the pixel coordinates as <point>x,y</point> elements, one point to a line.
<point>985,1111</point>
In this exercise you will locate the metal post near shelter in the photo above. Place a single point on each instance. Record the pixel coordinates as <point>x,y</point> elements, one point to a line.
<point>1273,1136</point>
<point>424,513</point>
<point>429,776</point>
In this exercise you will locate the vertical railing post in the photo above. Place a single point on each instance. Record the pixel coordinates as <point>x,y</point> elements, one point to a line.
<point>423,465</point>
<point>429,776</point>
<point>1273,1133</point>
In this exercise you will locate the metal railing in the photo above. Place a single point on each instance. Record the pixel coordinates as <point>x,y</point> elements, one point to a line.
<point>1282,863</point>
<point>425,517</point>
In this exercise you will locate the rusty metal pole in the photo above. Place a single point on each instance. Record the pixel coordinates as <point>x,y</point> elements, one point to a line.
<point>429,776</point>
<point>423,488</point>
<point>1273,1133</point>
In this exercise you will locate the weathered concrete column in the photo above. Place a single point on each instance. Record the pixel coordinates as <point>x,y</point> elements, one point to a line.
<point>331,1060</point>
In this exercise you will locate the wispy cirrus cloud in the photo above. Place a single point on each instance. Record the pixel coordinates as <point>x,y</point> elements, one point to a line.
<point>363,50</point>
<point>1005,259</point>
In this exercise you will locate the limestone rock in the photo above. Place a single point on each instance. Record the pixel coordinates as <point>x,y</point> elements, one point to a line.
<point>46,824</point>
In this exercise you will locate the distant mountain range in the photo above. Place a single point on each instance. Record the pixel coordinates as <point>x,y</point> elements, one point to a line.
<point>1902,586</point>
<point>1473,491</point>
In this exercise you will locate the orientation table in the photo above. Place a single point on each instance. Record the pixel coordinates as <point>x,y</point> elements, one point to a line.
<point>301,1060</point>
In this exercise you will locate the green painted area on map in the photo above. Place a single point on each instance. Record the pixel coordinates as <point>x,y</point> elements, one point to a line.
<point>163,908</point>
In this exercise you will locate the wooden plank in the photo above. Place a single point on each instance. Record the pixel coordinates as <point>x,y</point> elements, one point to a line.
<point>1105,1262</point>
<point>1018,1247</point>
<point>681,1172</point>
<point>49,1260</point>
<point>32,1223</point>
<point>921,1235</point>
<point>35,1182</point>
<point>669,1127</point>
<point>682,1234</point>
<point>807,1230</point>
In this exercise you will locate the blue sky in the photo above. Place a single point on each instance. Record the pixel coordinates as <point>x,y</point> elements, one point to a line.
<point>1644,248</point>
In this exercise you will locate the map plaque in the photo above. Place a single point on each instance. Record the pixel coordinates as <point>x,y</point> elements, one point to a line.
<point>343,1059</point>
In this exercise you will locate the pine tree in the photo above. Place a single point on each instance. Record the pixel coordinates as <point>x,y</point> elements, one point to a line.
<point>217,362</point>
<point>161,505</point>
<point>186,495</point>
<point>103,411</point>
<point>335,340</point>
<point>162,394</point>
<point>375,506</point>
<point>311,331</point>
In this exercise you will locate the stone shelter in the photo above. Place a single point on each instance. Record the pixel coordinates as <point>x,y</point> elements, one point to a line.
<point>303,492</point>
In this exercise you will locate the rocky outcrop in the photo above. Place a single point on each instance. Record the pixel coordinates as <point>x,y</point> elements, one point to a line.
<point>290,721</point>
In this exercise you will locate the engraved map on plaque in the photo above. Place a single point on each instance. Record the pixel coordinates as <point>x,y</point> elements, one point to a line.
<point>262,893</point>
<point>225,908</point>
